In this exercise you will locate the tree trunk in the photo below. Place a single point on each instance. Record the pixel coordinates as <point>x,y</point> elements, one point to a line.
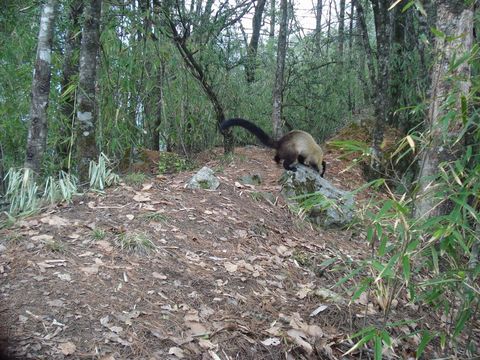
<point>159,107</point>
<point>198,73</point>
<point>37,130</point>
<point>366,41</point>
<point>2,172</point>
<point>149,98</point>
<point>400,48</point>
<point>253,45</point>
<point>341,30</point>
<point>271,33</point>
<point>455,20</point>
<point>381,101</point>
<point>86,116</point>
<point>69,71</point>
<point>329,25</point>
<point>351,99</point>
<point>279,73</point>
<point>318,21</point>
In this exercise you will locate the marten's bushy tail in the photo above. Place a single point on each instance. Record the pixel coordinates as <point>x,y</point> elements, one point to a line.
<point>254,129</point>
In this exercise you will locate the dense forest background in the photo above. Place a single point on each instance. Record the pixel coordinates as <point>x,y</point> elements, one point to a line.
<point>164,73</point>
<point>114,77</point>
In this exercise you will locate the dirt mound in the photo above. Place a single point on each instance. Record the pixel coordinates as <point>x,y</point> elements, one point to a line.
<point>160,271</point>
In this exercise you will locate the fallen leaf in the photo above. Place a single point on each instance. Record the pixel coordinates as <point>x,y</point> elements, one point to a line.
<point>42,237</point>
<point>127,317</point>
<point>108,357</point>
<point>273,341</point>
<point>214,356</point>
<point>55,303</point>
<point>147,186</point>
<point>192,315</point>
<point>303,292</point>
<point>196,329</point>
<point>363,299</point>
<point>67,348</point>
<point>231,268</point>
<point>275,330</point>
<point>139,197</point>
<point>298,338</point>
<point>206,344</point>
<point>159,276</point>
<point>329,295</point>
<point>90,270</point>
<point>105,245</point>
<point>284,251</point>
<point>114,337</point>
<point>318,310</point>
<point>242,234</point>
<point>176,351</point>
<point>54,220</point>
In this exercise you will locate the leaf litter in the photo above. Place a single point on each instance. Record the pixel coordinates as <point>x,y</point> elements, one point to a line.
<point>232,275</point>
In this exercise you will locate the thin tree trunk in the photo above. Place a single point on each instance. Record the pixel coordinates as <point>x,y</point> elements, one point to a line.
<point>2,171</point>
<point>399,50</point>
<point>198,73</point>
<point>253,45</point>
<point>271,34</point>
<point>149,97</point>
<point>69,71</point>
<point>318,21</point>
<point>341,30</point>
<point>37,130</point>
<point>279,73</point>
<point>351,99</point>
<point>159,111</point>
<point>366,41</point>
<point>381,102</point>
<point>455,20</point>
<point>329,25</point>
<point>86,116</point>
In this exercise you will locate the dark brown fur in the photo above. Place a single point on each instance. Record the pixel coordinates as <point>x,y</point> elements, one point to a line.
<point>295,146</point>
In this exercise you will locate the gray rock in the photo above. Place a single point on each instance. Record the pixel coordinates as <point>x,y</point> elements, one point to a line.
<point>203,179</point>
<point>329,207</point>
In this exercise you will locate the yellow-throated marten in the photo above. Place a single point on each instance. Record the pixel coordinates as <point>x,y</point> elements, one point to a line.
<point>297,145</point>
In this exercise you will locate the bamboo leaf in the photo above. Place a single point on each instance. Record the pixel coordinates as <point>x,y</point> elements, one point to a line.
<point>377,347</point>
<point>406,268</point>
<point>361,342</point>
<point>426,338</point>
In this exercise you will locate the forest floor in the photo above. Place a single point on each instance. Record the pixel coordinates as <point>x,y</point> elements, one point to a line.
<point>230,275</point>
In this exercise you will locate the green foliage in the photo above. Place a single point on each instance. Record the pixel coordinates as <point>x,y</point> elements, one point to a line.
<point>433,261</point>
<point>55,245</point>
<point>61,189</point>
<point>21,192</point>
<point>98,234</point>
<point>171,162</point>
<point>101,175</point>
<point>136,178</point>
<point>18,35</point>
<point>155,216</point>
<point>139,243</point>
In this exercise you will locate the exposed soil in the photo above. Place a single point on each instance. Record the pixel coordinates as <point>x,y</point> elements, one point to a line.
<point>230,276</point>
